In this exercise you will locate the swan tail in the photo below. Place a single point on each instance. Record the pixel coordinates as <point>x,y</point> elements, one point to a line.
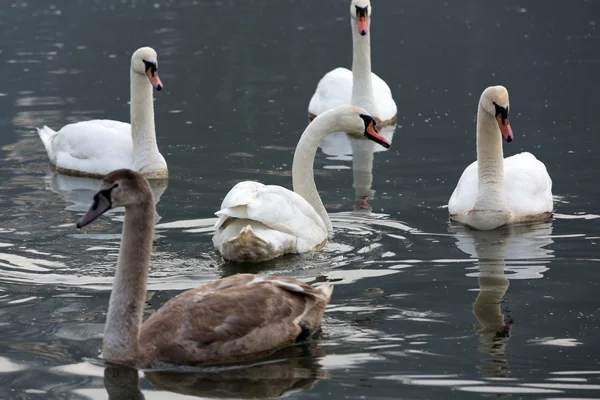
<point>46,134</point>
<point>326,288</point>
<point>248,247</point>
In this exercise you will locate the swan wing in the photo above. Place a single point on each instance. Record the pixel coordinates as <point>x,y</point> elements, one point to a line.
<point>276,207</point>
<point>234,318</point>
<point>464,195</point>
<point>528,185</point>
<point>383,99</point>
<point>94,147</point>
<point>334,89</point>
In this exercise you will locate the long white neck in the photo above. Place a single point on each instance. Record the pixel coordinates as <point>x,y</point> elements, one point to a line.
<point>126,306</point>
<point>303,178</point>
<point>490,162</point>
<point>362,85</point>
<point>146,157</point>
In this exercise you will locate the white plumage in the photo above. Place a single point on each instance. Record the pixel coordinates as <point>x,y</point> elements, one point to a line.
<point>94,147</point>
<point>258,222</point>
<point>335,89</point>
<point>282,220</point>
<point>527,186</point>
<point>495,191</point>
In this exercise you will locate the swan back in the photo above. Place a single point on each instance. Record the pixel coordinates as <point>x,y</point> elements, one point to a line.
<point>277,208</point>
<point>233,319</point>
<point>528,187</point>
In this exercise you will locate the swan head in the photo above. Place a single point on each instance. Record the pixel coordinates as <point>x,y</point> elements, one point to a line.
<point>122,187</point>
<point>357,122</point>
<point>494,100</point>
<point>145,61</point>
<point>361,11</point>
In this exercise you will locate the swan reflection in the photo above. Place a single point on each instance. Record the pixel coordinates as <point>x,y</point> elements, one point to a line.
<point>78,191</point>
<point>290,370</point>
<point>515,252</point>
<point>339,146</point>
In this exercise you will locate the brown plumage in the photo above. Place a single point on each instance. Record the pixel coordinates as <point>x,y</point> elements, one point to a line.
<point>232,319</point>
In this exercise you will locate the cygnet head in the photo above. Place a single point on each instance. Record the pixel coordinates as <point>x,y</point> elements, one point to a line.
<point>357,122</point>
<point>360,11</point>
<point>145,61</point>
<point>122,187</point>
<point>494,100</point>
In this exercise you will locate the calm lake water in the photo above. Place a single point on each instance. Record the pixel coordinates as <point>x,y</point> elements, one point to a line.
<point>421,308</point>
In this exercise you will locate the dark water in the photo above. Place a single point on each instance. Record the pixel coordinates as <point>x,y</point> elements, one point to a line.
<point>421,309</point>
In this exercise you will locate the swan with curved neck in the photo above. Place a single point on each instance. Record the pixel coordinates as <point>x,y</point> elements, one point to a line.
<point>232,319</point>
<point>258,222</point>
<point>360,86</point>
<point>94,148</point>
<point>494,191</point>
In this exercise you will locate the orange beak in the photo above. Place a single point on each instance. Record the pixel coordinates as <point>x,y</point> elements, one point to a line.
<point>505,128</point>
<point>363,23</point>
<point>154,79</point>
<point>373,134</point>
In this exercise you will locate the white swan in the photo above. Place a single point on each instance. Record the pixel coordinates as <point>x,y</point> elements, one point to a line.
<point>258,222</point>
<point>94,148</point>
<point>494,191</point>
<point>231,319</point>
<point>360,86</point>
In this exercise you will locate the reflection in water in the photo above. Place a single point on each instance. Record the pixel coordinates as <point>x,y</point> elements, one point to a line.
<point>515,243</point>
<point>292,369</point>
<point>359,239</point>
<point>79,191</point>
<point>122,383</point>
<point>339,146</point>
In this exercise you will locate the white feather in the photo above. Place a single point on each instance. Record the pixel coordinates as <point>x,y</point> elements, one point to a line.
<point>276,215</point>
<point>527,186</point>
<point>335,89</point>
<point>95,147</point>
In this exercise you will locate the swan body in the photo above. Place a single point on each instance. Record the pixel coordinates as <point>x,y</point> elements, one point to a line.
<point>229,320</point>
<point>267,221</point>
<point>95,148</point>
<point>258,222</point>
<point>360,86</point>
<point>335,89</point>
<point>494,191</point>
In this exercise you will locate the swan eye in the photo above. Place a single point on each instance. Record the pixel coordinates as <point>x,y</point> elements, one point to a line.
<point>501,111</point>
<point>367,120</point>
<point>150,66</point>
<point>116,185</point>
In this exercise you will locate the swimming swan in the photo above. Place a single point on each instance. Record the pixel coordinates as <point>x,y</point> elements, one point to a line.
<point>231,319</point>
<point>494,191</point>
<point>360,86</point>
<point>258,222</point>
<point>94,148</point>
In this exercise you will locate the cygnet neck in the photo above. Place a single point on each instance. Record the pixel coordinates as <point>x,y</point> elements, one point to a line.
<point>125,309</point>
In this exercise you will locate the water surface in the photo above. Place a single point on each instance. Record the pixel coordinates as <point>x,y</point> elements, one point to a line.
<point>421,308</point>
